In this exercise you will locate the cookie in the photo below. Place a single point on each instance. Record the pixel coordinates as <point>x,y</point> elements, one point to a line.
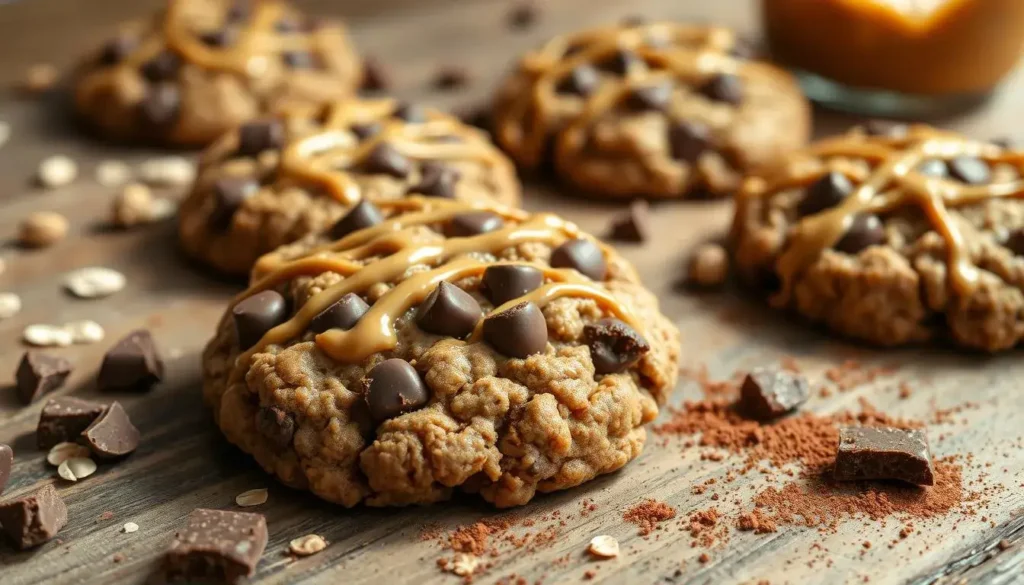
<point>892,234</point>
<point>659,110</point>
<point>424,355</point>
<point>276,180</point>
<point>201,67</point>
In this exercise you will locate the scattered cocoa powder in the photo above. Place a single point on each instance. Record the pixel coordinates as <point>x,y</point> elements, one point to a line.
<point>757,523</point>
<point>648,514</point>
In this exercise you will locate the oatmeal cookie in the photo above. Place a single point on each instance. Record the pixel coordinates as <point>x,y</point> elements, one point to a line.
<point>201,67</point>
<point>892,234</point>
<point>456,345</point>
<point>658,110</point>
<point>275,180</point>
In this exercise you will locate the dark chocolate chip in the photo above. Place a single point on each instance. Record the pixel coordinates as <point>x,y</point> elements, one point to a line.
<point>825,193</point>
<point>724,87</point>
<point>229,193</point>
<point>300,59</point>
<point>385,159</point>
<point>163,67</point>
<point>886,128</point>
<point>771,392</point>
<point>651,97</point>
<point>505,282</point>
<point>970,170</point>
<point>517,332</point>
<point>39,373</point>
<point>523,15</point>
<point>6,463</point>
<point>582,255</point>
<point>219,38</point>
<point>865,230</point>
<point>216,546</point>
<point>64,419</point>
<point>160,106</point>
<point>410,112</point>
<point>449,310</point>
<point>276,425</point>
<point>344,314</point>
<point>614,345</point>
<point>256,315</point>
<point>376,77</point>
<point>34,519</point>
<point>619,62</point>
<point>688,140</point>
<point>933,167</point>
<point>632,226</point>
<point>255,137</point>
<point>436,180</point>
<point>112,434</point>
<point>364,131</point>
<point>884,453</point>
<point>394,387</point>
<point>473,223</point>
<point>581,81</point>
<point>363,215</point>
<point>1015,242</point>
<point>132,364</point>
<point>452,77</point>
<point>117,49</point>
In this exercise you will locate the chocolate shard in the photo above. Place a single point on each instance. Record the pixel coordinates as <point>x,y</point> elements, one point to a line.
<point>34,519</point>
<point>632,226</point>
<point>884,453</point>
<point>770,392</point>
<point>40,373</point>
<point>132,364</point>
<point>217,546</point>
<point>112,434</point>
<point>64,419</point>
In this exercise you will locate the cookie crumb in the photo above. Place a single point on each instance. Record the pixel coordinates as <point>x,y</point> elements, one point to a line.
<point>1005,544</point>
<point>42,229</point>
<point>39,78</point>
<point>113,173</point>
<point>57,171</point>
<point>250,498</point>
<point>305,546</point>
<point>604,547</point>
<point>451,77</point>
<point>709,266</point>
<point>105,515</point>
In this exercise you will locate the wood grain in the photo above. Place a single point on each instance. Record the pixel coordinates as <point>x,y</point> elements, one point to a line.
<point>183,462</point>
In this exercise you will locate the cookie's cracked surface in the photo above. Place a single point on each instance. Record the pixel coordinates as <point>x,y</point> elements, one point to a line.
<point>201,67</point>
<point>276,180</point>
<point>518,357</point>
<point>892,235</point>
<point>649,110</point>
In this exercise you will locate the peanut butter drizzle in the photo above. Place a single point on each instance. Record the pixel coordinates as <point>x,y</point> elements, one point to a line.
<point>894,183</point>
<point>448,259</point>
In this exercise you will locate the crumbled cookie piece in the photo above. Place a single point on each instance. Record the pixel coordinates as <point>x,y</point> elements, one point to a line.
<point>42,228</point>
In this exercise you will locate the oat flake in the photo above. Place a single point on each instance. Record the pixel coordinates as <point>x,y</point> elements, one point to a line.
<point>130,527</point>
<point>305,546</point>
<point>604,547</point>
<point>61,452</point>
<point>252,498</point>
<point>94,282</point>
<point>76,468</point>
<point>464,564</point>
<point>57,171</point>
<point>167,171</point>
<point>47,336</point>
<point>85,331</point>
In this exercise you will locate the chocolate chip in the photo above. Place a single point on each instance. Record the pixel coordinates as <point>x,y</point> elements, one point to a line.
<point>219,38</point>
<point>825,193</point>
<point>582,81</point>
<point>39,373</point>
<point>394,387</point>
<point>112,434</point>
<point>229,193</point>
<point>865,230</point>
<point>163,67</point>
<point>614,345</point>
<point>884,453</point>
<point>723,87</point>
<point>411,113</point>
<point>933,167</point>
<point>117,49</point>
<point>256,315</point>
<point>886,129</point>
<point>64,419</point>
<point>688,140</point>
<point>384,159</point>
<point>364,131</point>
<point>216,546</point>
<point>363,215</point>
<point>6,463</point>
<point>449,310</point>
<point>523,15</point>
<point>770,392</point>
<point>582,255</point>
<point>161,106</point>
<point>255,137</point>
<point>34,519</point>
<point>300,59</point>
<point>376,76</point>
<point>970,170</point>
<point>505,282</point>
<point>518,332</point>
<point>132,364</point>
<point>633,225</point>
<point>1015,242</point>
<point>436,180</point>
<point>344,314</point>
<point>473,223</point>
<point>451,77</point>
<point>651,97</point>
<point>619,62</point>
<point>276,425</point>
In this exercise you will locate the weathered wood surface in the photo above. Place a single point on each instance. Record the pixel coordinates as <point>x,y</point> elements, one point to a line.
<point>183,462</point>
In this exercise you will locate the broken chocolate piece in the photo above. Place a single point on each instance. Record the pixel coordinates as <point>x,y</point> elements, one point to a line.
<point>884,453</point>
<point>34,519</point>
<point>771,392</point>
<point>132,364</point>
<point>632,226</point>
<point>64,419</point>
<point>40,373</point>
<point>217,545</point>
<point>112,434</point>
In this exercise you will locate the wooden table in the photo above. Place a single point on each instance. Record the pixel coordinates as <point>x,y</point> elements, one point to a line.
<point>184,463</point>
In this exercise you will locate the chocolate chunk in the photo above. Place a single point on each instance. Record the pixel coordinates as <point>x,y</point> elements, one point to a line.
<point>614,345</point>
<point>112,434</point>
<point>276,425</point>
<point>505,282</point>
<point>633,225</point>
<point>437,180</point>
<point>6,463</point>
<point>933,167</point>
<point>688,140</point>
<point>970,170</point>
<point>300,59</point>
<point>473,223</point>
<point>258,314</point>
<point>411,113</point>
<point>582,81</point>
<point>161,106</point>
<point>884,453</point>
<point>117,49</point>
<point>394,387</point>
<point>64,419</point>
<point>39,373</point>
<point>163,67</point>
<point>363,215</point>
<point>723,87</point>
<point>864,231</point>
<point>451,77</point>
<point>825,193</point>
<point>769,393</point>
<point>619,62</point>
<point>376,77</point>
<point>364,131</point>
<point>886,129</point>
<point>229,193</point>
<point>132,364</point>
<point>584,256</point>
<point>34,519</point>
<point>449,310</point>
<point>384,159</point>
<point>219,38</point>
<point>518,332</point>
<point>217,546</point>
<point>1015,242</point>
<point>255,137</point>
<point>651,97</point>
<point>343,314</point>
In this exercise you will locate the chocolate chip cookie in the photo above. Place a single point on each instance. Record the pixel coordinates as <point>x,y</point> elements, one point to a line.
<point>201,67</point>
<point>659,110</point>
<point>892,234</point>
<point>455,345</point>
<point>275,180</point>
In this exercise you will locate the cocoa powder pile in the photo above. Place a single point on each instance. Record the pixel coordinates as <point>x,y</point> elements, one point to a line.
<point>648,515</point>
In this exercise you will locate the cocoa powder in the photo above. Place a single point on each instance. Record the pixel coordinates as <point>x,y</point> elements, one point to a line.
<point>648,514</point>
